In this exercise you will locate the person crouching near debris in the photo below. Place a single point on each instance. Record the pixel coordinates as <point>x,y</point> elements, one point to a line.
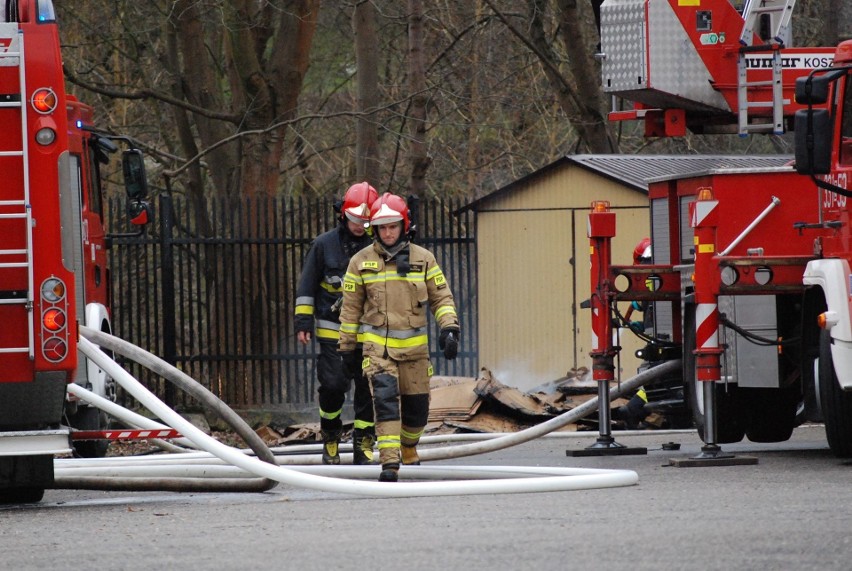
<point>386,291</point>
<point>318,298</point>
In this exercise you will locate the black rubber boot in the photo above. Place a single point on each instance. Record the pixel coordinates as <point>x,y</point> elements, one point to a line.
<point>362,447</point>
<point>390,473</point>
<point>330,445</point>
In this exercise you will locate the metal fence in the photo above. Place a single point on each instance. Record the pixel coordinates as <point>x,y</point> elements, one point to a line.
<point>210,287</point>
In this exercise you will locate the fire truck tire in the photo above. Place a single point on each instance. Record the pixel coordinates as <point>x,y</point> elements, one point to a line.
<point>729,420</point>
<point>772,413</point>
<point>90,418</point>
<point>836,404</point>
<point>21,495</point>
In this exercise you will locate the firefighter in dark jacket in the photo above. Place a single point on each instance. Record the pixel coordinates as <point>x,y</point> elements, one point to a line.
<point>633,413</point>
<point>318,300</point>
<point>387,291</point>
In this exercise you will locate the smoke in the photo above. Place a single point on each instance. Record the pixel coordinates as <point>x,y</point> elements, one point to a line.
<point>523,375</point>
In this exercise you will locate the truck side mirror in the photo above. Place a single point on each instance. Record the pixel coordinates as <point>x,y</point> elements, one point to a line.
<point>813,145</point>
<point>813,90</point>
<point>133,168</point>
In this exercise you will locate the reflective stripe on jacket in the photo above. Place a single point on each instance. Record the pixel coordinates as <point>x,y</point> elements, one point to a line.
<point>388,309</point>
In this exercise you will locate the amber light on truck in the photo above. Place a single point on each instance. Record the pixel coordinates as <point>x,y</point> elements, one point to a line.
<point>52,290</point>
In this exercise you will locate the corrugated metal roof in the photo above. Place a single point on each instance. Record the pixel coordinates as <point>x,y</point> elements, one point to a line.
<point>637,171</point>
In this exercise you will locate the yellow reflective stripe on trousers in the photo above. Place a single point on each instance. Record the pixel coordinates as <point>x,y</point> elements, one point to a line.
<point>362,424</point>
<point>388,441</point>
<point>412,435</point>
<point>330,415</point>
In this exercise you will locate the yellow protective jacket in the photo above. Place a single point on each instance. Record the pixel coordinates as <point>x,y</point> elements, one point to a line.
<point>386,309</point>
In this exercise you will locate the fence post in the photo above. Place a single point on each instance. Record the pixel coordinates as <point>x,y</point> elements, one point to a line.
<point>167,271</point>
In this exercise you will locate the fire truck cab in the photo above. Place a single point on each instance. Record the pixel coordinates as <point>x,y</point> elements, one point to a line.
<point>53,259</point>
<point>824,154</point>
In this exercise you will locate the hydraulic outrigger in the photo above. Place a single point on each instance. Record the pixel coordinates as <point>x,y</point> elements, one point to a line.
<point>601,231</point>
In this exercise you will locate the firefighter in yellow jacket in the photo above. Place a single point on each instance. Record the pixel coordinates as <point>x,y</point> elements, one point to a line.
<point>387,290</point>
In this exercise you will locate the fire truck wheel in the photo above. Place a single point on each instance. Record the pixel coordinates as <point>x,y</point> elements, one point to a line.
<point>772,413</point>
<point>836,404</point>
<point>729,418</point>
<point>90,418</point>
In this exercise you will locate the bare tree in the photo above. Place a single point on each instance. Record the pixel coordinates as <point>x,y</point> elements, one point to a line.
<point>367,163</point>
<point>578,40</point>
<point>579,96</point>
<point>231,67</point>
<point>418,156</point>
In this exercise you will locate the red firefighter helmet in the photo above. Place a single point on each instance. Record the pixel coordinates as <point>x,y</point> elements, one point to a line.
<point>642,252</point>
<point>390,208</point>
<point>357,201</point>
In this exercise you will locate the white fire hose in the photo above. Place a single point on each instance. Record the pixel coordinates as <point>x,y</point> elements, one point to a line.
<point>229,466</point>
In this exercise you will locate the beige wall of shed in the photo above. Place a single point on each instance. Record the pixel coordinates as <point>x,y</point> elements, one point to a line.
<point>532,250</point>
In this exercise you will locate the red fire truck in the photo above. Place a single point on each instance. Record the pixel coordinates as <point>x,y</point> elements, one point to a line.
<point>53,270</point>
<point>751,280</point>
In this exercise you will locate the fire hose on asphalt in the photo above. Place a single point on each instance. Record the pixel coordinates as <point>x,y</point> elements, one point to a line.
<point>235,468</point>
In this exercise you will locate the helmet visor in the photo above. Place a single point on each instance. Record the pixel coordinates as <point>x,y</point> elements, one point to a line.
<point>358,214</point>
<point>385,215</point>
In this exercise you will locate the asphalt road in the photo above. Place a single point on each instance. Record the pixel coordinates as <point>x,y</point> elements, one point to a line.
<point>792,510</point>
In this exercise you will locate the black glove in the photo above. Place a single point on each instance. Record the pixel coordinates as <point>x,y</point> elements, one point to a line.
<point>352,363</point>
<point>448,342</point>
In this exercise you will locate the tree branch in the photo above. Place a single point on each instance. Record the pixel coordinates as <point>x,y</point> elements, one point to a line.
<point>273,127</point>
<point>145,93</point>
<point>545,61</point>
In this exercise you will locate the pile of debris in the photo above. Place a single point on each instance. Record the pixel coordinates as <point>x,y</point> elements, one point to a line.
<point>485,404</point>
